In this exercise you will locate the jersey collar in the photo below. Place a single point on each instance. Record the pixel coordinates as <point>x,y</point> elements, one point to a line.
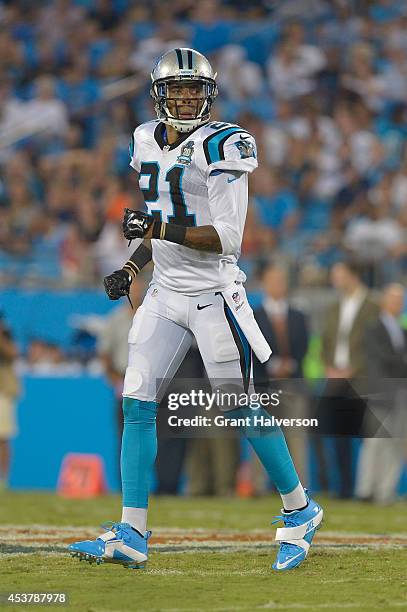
<point>160,137</point>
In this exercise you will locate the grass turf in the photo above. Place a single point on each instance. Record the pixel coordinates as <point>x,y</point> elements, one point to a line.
<point>331,579</point>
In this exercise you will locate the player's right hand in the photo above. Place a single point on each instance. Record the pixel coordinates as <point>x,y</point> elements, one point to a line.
<point>136,223</point>
<point>117,284</point>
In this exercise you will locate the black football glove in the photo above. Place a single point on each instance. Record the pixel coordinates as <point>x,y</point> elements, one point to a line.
<point>135,223</point>
<point>117,284</point>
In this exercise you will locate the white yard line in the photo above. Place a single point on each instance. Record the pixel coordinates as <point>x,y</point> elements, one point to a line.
<point>49,539</point>
<point>48,530</point>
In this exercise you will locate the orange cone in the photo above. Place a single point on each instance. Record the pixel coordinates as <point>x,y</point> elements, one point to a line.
<point>82,476</point>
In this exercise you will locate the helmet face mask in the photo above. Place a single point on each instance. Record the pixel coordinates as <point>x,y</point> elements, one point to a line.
<point>183,97</point>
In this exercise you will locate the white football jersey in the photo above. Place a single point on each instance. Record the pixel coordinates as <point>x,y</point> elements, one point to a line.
<point>200,180</point>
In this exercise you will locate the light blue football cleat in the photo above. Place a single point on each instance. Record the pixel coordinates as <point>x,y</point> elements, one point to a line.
<point>296,536</point>
<point>120,544</point>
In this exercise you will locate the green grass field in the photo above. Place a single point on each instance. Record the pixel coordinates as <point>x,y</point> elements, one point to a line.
<point>359,560</point>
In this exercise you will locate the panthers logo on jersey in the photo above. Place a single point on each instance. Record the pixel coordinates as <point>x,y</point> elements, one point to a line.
<point>246,148</point>
<point>187,152</point>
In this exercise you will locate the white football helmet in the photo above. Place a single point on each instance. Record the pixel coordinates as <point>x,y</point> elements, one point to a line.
<point>189,66</point>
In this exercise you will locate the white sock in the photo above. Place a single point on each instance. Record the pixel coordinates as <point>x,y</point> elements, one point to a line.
<point>136,517</point>
<point>294,500</point>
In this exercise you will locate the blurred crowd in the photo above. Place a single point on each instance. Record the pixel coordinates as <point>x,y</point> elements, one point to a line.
<point>322,86</point>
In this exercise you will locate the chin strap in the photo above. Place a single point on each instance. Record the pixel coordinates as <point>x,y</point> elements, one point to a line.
<point>181,127</point>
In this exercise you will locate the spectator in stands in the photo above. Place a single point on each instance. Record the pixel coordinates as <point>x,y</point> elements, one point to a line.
<point>345,204</point>
<point>377,238</point>
<point>394,74</point>
<point>238,77</point>
<point>9,390</point>
<point>166,36</point>
<point>43,118</point>
<point>241,83</point>
<point>291,70</point>
<point>381,458</point>
<point>361,78</point>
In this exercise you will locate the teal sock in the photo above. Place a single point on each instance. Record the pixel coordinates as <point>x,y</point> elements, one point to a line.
<point>268,442</point>
<point>139,449</point>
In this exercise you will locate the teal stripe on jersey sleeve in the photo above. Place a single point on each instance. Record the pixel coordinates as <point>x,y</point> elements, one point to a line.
<point>213,143</point>
<point>131,147</point>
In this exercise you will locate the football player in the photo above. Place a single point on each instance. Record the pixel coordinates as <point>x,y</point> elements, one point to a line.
<point>193,173</point>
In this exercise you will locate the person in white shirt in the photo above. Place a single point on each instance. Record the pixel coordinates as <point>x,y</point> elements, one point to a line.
<point>292,70</point>
<point>343,354</point>
<point>381,457</point>
<point>43,115</point>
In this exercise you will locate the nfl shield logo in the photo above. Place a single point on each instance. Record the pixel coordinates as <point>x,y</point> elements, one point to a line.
<point>236,297</point>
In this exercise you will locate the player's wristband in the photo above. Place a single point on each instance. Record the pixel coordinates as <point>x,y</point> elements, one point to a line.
<point>139,259</point>
<point>131,269</point>
<point>169,232</point>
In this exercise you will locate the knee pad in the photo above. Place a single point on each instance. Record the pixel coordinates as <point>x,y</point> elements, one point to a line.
<point>133,381</point>
<point>139,381</point>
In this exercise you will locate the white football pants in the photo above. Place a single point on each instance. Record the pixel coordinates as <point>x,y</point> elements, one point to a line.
<point>162,332</point>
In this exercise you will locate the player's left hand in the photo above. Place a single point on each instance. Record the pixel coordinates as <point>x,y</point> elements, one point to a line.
<point>136,224</point>
<point>117,284</point>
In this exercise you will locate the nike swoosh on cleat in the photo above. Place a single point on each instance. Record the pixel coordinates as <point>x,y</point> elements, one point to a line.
<point>202,307</point>
<point>286,563</point>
